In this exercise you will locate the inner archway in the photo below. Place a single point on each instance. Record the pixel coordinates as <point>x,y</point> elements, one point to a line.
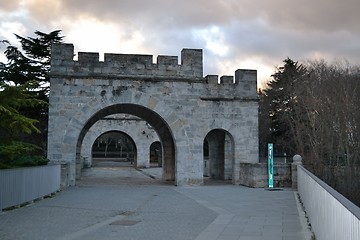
<point>154,119</point>
<point>218,151</point>
<point>114,146</point>
<point>155,154</point>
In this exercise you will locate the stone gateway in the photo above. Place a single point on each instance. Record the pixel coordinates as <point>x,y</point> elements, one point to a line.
<point>206,126</point>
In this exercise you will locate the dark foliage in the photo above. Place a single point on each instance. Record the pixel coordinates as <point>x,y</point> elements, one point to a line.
<point>24,89</point>
<point>312,109</point>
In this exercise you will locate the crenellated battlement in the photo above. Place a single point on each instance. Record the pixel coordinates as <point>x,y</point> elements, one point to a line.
<point>244,86</point>
<point>88,64</point>
<point>141,67</point>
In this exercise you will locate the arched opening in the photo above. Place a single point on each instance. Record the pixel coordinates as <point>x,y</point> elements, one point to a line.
<point>153,119</point>
<point>155,154</point>
<point>218,151</point>
<point>114,146</point>
<point>139,130</point>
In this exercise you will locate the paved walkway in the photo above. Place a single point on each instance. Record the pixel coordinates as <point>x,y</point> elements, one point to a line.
<point>124,203</point>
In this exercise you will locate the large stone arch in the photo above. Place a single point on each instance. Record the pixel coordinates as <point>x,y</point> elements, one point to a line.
<point>140,131</point>
<point>157,122</point>
<point>163,119</point>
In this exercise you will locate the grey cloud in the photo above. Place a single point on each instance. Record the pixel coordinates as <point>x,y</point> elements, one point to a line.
<point>305,16</point>
<point>268,29</point>
<point>8,5</point>
<point>324,15</point>
<point>321,15</point>
<point>327,15</point>
<point>157,12</point>
<point>257,38</point>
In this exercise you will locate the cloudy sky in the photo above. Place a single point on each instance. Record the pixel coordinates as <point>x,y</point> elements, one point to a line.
<point>251,34</point>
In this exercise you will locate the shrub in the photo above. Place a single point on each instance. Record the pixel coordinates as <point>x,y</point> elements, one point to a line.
<point>19,154</point>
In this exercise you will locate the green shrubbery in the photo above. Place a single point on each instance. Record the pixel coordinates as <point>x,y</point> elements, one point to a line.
<point>19,154</point>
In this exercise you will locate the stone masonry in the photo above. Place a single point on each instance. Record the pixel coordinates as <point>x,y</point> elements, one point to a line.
<point>182,106</point>
<point>138,130</point>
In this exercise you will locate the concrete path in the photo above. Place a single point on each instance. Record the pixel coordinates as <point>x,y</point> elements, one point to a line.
<point>125,203</point>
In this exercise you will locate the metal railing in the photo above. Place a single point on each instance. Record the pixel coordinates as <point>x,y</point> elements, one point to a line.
<point>22,185</point>
<point>331,215</point>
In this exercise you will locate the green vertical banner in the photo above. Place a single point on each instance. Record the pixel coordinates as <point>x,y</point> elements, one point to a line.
<point>271,165</point>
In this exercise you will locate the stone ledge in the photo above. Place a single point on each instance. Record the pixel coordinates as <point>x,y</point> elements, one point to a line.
<point>256,175</point>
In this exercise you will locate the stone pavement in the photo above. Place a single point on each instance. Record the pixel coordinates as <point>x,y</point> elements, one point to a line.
<point>125,203</point>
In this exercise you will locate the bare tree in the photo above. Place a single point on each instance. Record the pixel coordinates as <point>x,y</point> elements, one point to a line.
<point>314,112</point>
<point>326,113</point>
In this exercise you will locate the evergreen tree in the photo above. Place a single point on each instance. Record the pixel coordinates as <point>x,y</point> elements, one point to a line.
<point>281,97</point>
<point>31,65</point>
<point>24,87</point>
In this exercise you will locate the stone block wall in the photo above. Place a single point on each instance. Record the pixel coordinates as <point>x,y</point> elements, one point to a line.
<point>256,175</point>
<point>175,99</point>
<point>136,129</point>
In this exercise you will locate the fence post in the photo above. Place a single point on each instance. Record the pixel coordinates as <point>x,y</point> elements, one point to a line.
<point>65,168</point>
<point>296,161</point>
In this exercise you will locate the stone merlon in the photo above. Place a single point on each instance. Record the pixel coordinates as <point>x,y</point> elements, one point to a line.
<point>88,63</point>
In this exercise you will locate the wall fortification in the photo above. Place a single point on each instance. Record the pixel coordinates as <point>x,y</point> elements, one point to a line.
<point>186,110</point>
<point>141,67</point>
<point>116,65</point>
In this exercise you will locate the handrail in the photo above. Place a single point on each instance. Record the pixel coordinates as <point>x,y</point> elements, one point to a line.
<point>343,200</point>
<point>331,215</point>
<point>22,185</point>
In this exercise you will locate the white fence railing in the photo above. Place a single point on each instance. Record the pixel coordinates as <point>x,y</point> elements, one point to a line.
<point>22,185</point>
<point>331,215</point>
